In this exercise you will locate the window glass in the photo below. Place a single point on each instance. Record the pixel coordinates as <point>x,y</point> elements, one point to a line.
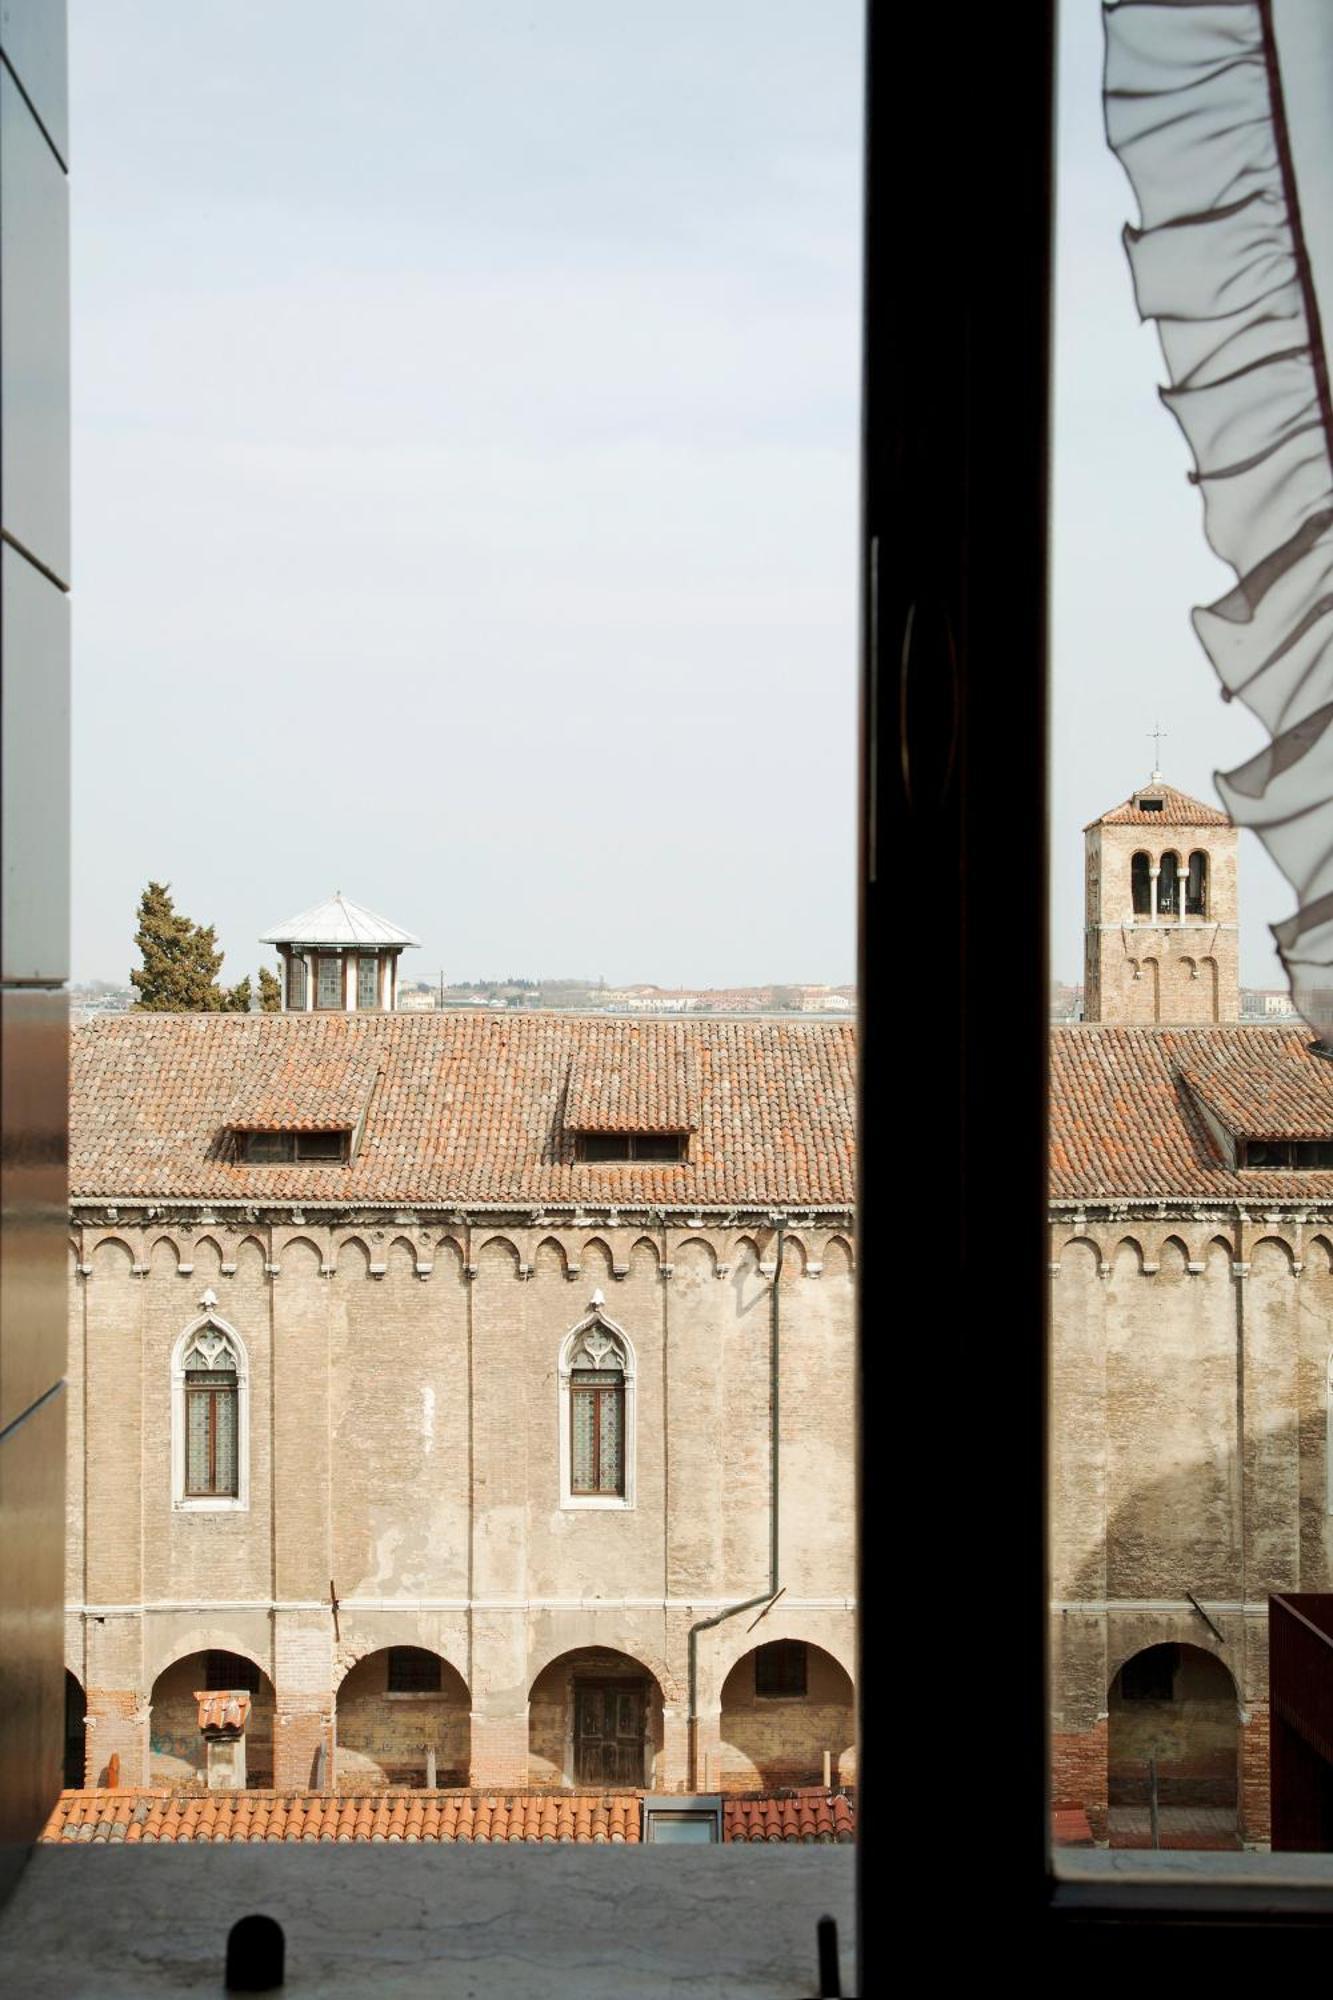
<point>296,985</point>
<point>597,1432</point>
<point>367,981</point>
<point>210,1432</point>
<point>329,992</point>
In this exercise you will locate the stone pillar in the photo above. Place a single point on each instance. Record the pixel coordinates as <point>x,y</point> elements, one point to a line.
<point>1079,1774</point>
<point>303,1718</point>
<point>116,1738</point>
<point>1254,1816</point>
<point>704,1761</point>
<point>673,1771</point>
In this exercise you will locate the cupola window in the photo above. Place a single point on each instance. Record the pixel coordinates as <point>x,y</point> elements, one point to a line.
<point>329,987</point>
<point>367,982</point>
<point>296,985</point>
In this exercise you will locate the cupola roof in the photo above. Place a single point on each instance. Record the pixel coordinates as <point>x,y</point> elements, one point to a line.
<point>1165,806</point>
<point>339,921</point>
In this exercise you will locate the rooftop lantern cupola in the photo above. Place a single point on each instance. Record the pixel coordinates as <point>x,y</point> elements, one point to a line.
<point>339,958</point>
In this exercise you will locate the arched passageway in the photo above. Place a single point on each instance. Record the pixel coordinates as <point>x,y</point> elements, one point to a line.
<point>75,1734</point>
<point>402,1718</point>
<point>785,1707</point>
<point>177,1753</point>
<point>1173,1750</point>
<point>595,1720</point>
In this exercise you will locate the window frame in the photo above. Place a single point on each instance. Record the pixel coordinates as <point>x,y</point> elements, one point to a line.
<point>693,1806</point>
<point>571,1501</point>
<point>338,958</point>
<point>299,1155</point>
<point>632,1156</point>
<point>182,1500</point>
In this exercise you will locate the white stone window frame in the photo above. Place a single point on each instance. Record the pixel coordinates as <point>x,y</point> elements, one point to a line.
<point>616,1503</point>
<point>231,1503</point>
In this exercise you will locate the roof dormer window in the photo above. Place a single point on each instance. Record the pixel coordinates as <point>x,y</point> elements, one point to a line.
<point>273,1149</point>
<point>1151,805</point>
<point>658,1147</point>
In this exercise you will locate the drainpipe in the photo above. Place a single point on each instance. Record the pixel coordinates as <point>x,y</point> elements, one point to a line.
<point>764,1597</point>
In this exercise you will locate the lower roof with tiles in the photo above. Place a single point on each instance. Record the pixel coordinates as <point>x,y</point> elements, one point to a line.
<point>463,1109</point>
<point>1148,1114</point>
<point>800,1818</point>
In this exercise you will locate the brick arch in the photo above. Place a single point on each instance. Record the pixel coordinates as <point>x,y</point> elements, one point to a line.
<point>602,1248</point>
<point>406,1245</point>
<point>354,1652</point>
<point>449,1247</point>
<point>211,1637</point>
<point>499,1249</point>
<point>1323,1243</point>
<point>1270,1241</point>
<point>839,1257</point>
<point>646,1243</point>
<point>1130,1243</point>
<point>795,1261</point>
<point>1082,1242</point>
<point>702,1252</point>
<point>207,1251</point>
<point>766,1741</point>
<point>250,1247</point>
<point>118,1256</point>
<point>554,1705</point>
<point>291,1257</point>
<point>164,1243</point>
<point>651,1662</point>
<point>382,1739</point>
<point>355,1251</point>
<point>810,1627</point>
<point>176,1750</point>
<point>551,1251</point>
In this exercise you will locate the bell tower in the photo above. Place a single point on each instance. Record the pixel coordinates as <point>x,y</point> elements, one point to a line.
<point>1161,938</point>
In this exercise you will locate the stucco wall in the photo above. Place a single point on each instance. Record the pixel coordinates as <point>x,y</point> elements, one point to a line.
<point>405,1458</point>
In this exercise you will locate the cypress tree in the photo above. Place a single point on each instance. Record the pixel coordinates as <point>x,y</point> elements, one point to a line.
<point>181,962</point>
<point>270,991</point>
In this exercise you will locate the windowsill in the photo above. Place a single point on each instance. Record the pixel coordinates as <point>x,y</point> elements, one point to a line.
<point>202,1506</point>
<point>502,1919</point>
<point>414,1694</point>
<point>601,1503</point>
<point>1134,1879</point>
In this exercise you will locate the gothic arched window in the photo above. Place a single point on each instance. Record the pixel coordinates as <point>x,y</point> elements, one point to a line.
<point>210,1415</point>
<point>596,1413</point>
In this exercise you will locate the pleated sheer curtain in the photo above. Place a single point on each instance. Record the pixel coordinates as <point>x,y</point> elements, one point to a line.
<point>1221,112</point>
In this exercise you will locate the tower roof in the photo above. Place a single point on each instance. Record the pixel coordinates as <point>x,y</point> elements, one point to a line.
<point>339,922</point>
<point>1176,809</point>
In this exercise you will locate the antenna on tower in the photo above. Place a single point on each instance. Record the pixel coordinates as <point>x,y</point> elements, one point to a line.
<point>1157,734</point>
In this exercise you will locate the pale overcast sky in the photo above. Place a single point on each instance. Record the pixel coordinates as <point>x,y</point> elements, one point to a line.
<point>465,411</point>
<point>465,403</point>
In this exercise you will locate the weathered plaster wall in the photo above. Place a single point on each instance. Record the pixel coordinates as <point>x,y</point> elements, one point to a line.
<point>1189,1453</point>
<point>404,1457</point>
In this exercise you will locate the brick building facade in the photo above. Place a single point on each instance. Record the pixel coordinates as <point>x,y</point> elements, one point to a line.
<point>1191,1248</point>
<point>384,1257</point>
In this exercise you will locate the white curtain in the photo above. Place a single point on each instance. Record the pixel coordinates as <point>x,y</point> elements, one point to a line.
<point>1221,112</point>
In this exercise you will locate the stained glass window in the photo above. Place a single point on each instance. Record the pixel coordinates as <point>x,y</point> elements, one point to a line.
<point>329,992</point>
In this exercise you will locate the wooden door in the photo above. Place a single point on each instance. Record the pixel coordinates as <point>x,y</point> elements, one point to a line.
<point>610,1719</point>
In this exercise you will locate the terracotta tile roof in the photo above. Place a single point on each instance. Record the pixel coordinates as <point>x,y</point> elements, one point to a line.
<point>230,1710</point>
<point>1178,809</point>
<point>589,1819</point>
<point>636,1079</point>
<point>1127,1116</point>
<point>804,1817</point>
<point>469,1108</point>
<point>286,1087</point>
<point>596,1818</point>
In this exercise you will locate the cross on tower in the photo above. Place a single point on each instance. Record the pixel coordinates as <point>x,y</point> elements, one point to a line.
<point>1157,734</point>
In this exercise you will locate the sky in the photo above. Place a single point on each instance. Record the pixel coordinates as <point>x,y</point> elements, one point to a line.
<point>1128,556</point>
<point>465,479</point>
<point>465,485</point>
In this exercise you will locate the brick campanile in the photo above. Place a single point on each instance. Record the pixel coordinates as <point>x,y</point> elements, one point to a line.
<point>1161,940</point>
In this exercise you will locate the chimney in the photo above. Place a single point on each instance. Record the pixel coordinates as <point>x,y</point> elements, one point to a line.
<point>223,1715</point>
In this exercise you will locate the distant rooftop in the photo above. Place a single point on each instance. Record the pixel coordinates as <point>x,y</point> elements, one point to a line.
<point>339,921</point>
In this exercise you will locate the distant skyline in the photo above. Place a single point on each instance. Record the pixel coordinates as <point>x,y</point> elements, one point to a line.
<point>465,477</point>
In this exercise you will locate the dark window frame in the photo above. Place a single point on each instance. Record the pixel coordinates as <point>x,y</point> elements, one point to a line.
<point>673,1808</point>
<point>659,1149</point>
<point>299,1149</point>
